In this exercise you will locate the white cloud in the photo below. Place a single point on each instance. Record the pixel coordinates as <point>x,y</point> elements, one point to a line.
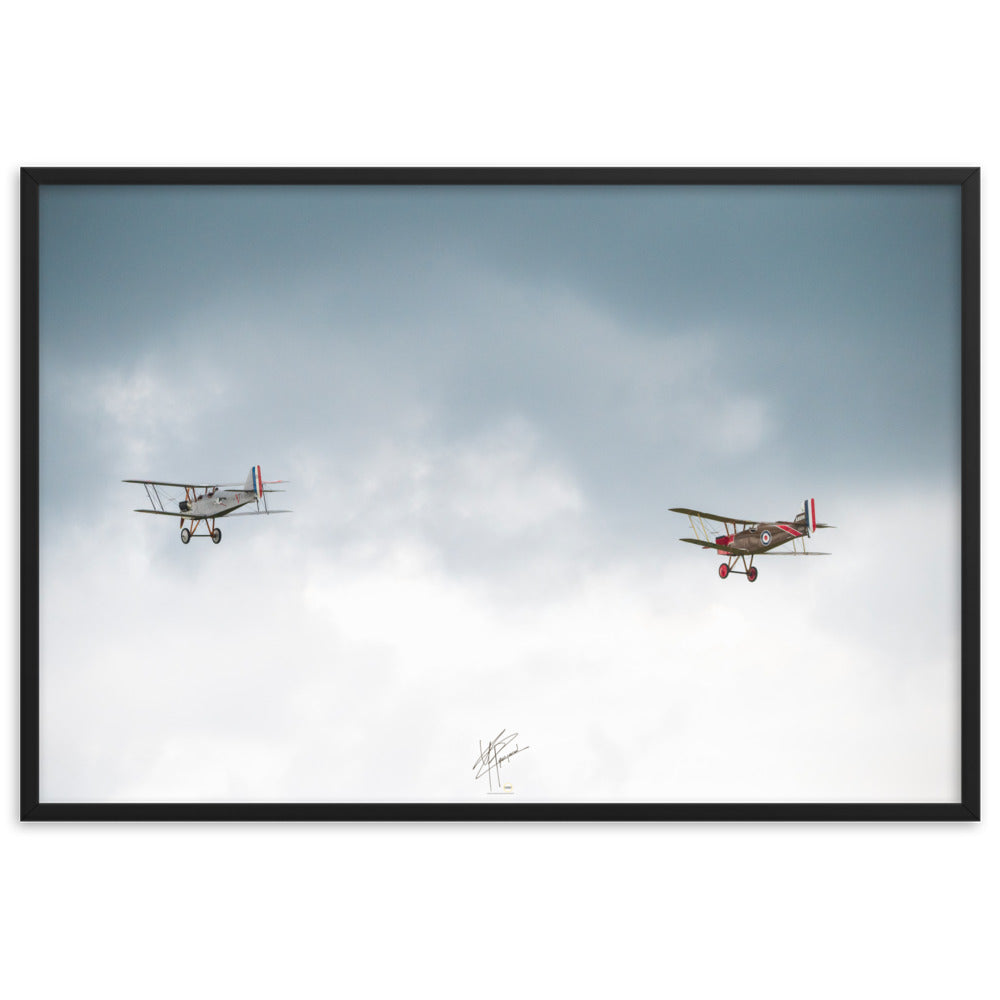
<point>499,482</point>
<point>269,667</point>
<point>677,385</point>
<point>464,557</point>
<point>140,413</point>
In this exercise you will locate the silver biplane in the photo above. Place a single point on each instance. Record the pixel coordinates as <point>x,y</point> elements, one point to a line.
<point>203,504</point>
<point>742,540</point>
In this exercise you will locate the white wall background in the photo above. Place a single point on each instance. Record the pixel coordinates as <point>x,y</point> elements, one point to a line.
<point>715,911</point>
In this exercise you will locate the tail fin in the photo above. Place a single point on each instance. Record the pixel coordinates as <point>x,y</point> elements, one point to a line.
<point>255,482</point>
<point>809,515</point>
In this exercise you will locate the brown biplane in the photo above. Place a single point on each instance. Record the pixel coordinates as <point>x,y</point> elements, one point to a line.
<point>742,540</point>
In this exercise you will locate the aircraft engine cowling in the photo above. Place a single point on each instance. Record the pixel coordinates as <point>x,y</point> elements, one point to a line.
<point>184,506</point>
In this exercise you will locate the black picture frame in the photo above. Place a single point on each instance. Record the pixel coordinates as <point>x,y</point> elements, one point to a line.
<point>32,809</point>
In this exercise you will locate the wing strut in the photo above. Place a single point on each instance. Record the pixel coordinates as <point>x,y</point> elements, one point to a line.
<point>704,533</point>
<point>156,503</point>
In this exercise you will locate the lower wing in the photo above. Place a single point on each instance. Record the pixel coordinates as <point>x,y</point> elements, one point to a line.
<point>794,553</point>
<point>211,517</point>
<point>259,513</point>
<point>728,549</point>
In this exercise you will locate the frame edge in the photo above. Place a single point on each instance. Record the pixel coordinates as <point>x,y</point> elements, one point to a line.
<point>968,809</point>
<point>29,512</point>
<point>971,723</point>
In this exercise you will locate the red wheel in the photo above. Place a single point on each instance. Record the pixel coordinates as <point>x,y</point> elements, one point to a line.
<point>752,574</point>
<point>723,571</point>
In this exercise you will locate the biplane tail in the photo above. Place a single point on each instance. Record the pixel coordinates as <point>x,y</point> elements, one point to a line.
<point>255,482</point>
<point>258,485</point>
<point>807,519</point>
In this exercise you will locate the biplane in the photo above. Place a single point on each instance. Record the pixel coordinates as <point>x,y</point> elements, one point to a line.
<point>202,504</point>
<point>742,540</point>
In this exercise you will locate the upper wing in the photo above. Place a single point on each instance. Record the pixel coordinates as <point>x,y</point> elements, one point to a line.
<point>158,482</point>
<point>729,549</point>
<point>721,518</point>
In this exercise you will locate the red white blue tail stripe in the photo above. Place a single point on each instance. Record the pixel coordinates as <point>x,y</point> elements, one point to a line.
<point>809,515</point>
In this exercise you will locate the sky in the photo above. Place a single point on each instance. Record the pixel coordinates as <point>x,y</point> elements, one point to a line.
<point>486,400</point>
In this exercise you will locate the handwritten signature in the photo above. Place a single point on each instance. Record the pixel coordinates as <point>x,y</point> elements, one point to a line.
<point>492,757</point>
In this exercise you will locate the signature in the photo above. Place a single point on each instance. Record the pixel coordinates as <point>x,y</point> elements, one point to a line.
<point>492,756</point>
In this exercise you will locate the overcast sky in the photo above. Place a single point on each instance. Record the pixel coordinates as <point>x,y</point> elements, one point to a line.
<point>486,400</point>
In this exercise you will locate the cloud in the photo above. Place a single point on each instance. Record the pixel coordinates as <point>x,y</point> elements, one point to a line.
<point>271,667</point>
<point>484,431</point>
<point>127,420</point>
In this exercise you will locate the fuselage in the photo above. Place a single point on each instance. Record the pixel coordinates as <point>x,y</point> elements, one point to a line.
<point>763,537</point>
<point>215,503</point>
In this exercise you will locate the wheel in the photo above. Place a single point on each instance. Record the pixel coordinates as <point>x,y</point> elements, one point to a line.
<point>752,574</point>
<point>723,571</point>
<point>217,535</point>
<point>185,535</point>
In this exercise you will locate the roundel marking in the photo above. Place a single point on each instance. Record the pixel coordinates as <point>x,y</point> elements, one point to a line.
<point>765,538</point>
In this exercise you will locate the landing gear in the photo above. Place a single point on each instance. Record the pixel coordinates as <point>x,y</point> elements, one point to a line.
<point>210,530</point>
<point>749,570</point>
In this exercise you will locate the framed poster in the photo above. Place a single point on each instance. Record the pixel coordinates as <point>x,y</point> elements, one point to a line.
<point>537,435</point>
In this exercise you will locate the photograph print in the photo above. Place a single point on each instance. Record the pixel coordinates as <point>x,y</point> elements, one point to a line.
<point>456,495</point>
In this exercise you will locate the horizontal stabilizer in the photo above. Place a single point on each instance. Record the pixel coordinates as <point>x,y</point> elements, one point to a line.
<point>170,513</point>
